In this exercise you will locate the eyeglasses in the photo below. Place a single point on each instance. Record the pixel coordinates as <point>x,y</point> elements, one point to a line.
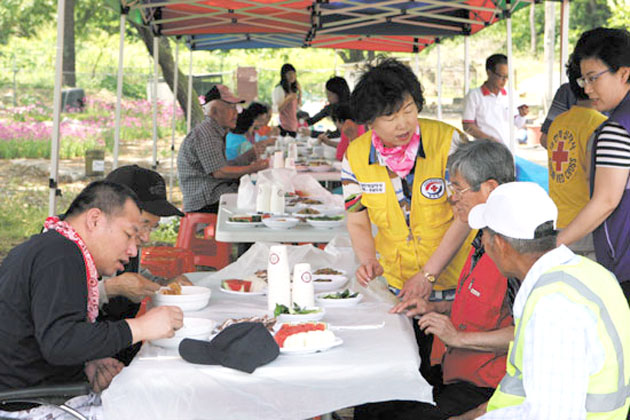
<point>500,76</point>
<point>589,80</point>
<point>237,107</point>
<point>146,227</point>
<point>452,190</point>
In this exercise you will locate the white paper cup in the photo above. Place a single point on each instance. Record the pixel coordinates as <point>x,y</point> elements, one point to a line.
<point>278,278</point>
<point>303,292</point>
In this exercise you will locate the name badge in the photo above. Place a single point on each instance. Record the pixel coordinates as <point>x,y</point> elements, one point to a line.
<point>373,187</point>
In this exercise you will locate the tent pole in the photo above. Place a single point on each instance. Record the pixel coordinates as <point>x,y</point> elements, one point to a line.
<point>508,23</point>
<point>54,147</point>
<point>156,57</point>
<point>564,39</point>
<point>190,88</point>
<point>466,64</point>
<point>416,64</point>
<point>439,80</point>
<point>119,88</point>
<point>175,86</point>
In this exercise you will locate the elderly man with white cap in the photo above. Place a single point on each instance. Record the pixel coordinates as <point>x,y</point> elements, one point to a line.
<point>204,172</point>
<point>570,358</point>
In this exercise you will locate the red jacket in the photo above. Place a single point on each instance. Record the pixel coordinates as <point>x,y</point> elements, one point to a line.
<point>479,305</point>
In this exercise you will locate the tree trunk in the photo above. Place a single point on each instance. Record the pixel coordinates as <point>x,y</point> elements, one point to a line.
<point>69,69</point>
<point>167,65</point>
<point>532,29</point>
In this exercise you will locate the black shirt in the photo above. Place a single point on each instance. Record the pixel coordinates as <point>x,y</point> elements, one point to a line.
<point>44,333</point>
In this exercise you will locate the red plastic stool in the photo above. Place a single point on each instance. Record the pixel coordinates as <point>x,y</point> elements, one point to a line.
<point>166,261</point>
<point>205,249</point>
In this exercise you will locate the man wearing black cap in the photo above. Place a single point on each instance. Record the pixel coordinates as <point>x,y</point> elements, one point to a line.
<point>204,172</point>
<point>132,283</point>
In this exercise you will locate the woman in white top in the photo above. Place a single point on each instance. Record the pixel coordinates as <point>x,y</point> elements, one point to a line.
<point>287,97</point>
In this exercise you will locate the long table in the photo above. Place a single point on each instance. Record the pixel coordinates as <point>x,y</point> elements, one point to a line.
<point>377,361</point>
<point>301,233</point>
<point>332,175</point>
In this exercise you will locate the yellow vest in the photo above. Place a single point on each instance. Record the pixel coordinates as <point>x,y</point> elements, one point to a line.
<point>404,250</point>
<point>586,283</point>
<point>569,158</point>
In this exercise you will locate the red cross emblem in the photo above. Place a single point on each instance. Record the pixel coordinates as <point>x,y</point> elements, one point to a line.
<point>559,156</point>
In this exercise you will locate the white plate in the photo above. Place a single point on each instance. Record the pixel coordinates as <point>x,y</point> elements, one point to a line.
<point>192,298</point>
<point>236,292</point>
<point>336,282</point>
<point>319,168</point>
<point>197,328</point>
<point>308,350</point>
<point>297,318</point>
<point>337,303</point>
<point>338,270</point>
<point>243,224</point>
<point>326,224</point>
<point>281,222</point>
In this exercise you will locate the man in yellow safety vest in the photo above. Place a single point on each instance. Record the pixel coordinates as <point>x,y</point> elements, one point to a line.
<point>570,358</point>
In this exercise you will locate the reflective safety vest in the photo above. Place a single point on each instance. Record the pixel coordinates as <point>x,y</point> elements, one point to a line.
<point>591,285</point>
<point>405,249</point>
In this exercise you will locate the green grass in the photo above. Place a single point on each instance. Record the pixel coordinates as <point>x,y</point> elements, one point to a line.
<point>23,210</point>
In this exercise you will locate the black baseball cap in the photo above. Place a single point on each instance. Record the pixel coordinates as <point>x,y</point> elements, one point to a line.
<point>222,92</point>
<point>149,186</point>
<point>243,346</point>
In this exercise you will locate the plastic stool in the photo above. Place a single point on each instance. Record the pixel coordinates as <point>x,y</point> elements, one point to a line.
<point>206,250</point>
<point>166,261</point>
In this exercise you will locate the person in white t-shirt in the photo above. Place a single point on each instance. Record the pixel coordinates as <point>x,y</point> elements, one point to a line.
<point>486,108</point>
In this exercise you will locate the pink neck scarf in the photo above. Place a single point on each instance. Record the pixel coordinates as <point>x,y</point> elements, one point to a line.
<point>64,229</point>
<point>399,159</point>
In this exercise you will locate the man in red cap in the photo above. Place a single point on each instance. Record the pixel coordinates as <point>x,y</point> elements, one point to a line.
<point>204,172</point>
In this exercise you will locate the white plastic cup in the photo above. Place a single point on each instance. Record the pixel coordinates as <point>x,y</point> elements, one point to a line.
<point>292,152</point>
<point>278,159</point>
<point>278,278</point>
<point>303,290</point>
<point>277,200</point>
<point>263,198</point>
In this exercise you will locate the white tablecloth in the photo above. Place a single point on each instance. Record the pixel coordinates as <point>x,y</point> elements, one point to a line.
<point>376,363</point>
<point>301,233</point>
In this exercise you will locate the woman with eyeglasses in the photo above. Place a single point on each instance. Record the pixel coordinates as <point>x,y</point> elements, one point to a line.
<point>287,97</point>
<point>604,58</point>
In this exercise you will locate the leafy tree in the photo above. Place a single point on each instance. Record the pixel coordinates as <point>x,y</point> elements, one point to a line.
<point>24,18</point>
<point>620,13</point>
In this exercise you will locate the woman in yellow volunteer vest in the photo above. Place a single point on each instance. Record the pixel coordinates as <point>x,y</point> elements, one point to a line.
<point>394,176</point>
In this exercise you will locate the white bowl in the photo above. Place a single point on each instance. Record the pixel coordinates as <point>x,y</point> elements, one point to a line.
<point>337,303</point>
<point>297,318</point>
<point>281,222</point>
<point>192,298</point>
<point>197,328</point>
<point>326,224</point>
<point>324,283</point>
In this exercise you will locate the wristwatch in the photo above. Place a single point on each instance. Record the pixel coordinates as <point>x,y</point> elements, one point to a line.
<point>430,277</point>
